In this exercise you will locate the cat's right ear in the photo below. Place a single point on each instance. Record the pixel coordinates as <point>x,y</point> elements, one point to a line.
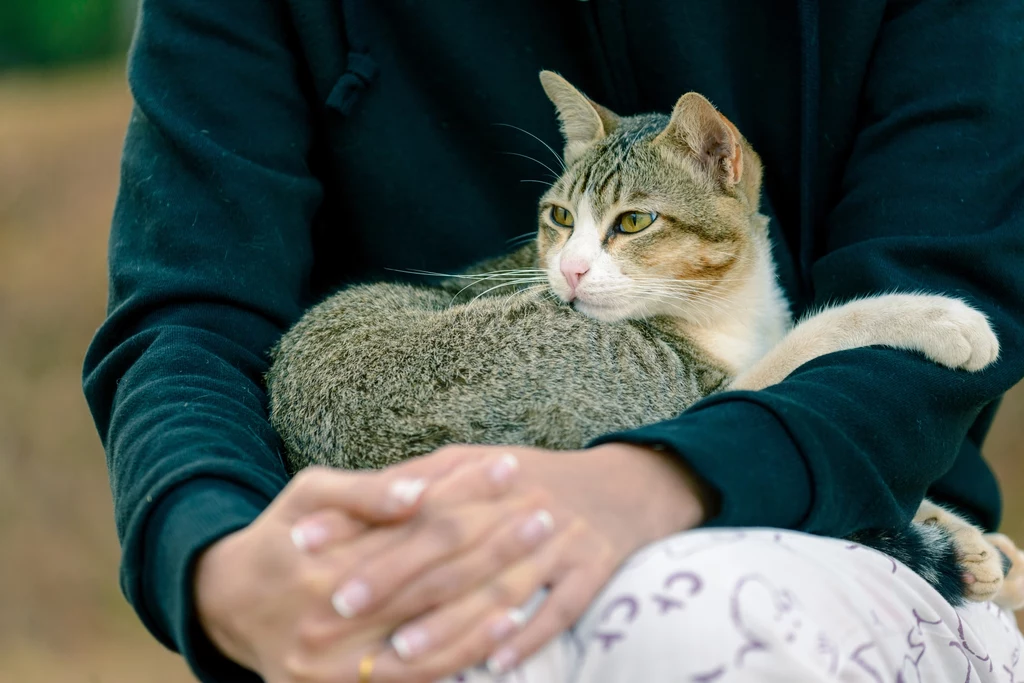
<point>584,122</point>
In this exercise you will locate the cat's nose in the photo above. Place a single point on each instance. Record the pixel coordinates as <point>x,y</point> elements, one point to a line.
<point>573,271</point>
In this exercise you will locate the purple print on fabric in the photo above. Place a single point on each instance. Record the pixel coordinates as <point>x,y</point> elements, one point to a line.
<point>857,658</point>
<point>708,677</point>
<point>829,649</point>
<point>626,605</point>
<point>915,659</point>
<point>963,642</point>
<point>787,623</point>
<point>970,669</point>
<point>667,603</point>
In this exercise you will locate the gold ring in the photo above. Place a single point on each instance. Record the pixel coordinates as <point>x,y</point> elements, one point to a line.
<point>366,667</point>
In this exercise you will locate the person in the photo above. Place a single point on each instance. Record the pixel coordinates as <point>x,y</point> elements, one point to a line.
<point>280,150</point>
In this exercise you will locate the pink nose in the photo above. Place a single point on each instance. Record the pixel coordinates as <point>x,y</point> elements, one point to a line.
<point>573,271</point>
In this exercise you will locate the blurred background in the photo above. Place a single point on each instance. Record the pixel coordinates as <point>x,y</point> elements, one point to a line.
<point>63,111</point>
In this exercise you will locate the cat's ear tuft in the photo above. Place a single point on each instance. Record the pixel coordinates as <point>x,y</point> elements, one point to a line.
<point>700,131</point>
<point>583,122</point>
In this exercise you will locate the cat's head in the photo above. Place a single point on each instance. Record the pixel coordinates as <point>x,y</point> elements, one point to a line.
<point>653,215</point>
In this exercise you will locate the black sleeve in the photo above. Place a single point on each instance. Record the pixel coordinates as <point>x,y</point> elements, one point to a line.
<point>932,200</point>
<point>209,262</point>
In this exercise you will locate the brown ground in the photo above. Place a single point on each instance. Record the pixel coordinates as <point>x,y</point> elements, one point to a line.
<point>62,617</point>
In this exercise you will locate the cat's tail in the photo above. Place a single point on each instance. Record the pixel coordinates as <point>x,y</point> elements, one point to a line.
<point>928,550</point>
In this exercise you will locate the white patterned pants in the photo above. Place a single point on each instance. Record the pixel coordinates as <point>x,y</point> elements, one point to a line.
<point>761,605</point>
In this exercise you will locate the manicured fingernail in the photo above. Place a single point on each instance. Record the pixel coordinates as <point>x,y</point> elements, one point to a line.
<point>352,597</point>
<point>539,525</point>
<point>410,642</point>
<point>503,470</point>
<point>309,536</point>
<point>501,661</point>
<point>408,491</point>
<point>507,624</point>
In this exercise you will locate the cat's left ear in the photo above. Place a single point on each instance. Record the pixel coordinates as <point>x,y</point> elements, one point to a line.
<point>698,130</point>
<point>584,122</point>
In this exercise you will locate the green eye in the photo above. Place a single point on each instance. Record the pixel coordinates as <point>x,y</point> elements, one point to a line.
<point>561,216</point>
<point>635,222</point>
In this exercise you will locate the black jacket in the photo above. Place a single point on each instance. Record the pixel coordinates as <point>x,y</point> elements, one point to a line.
<point>280,149</point>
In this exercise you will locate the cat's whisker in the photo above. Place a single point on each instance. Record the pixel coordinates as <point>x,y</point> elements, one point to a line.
<point>499,275</point>
<point>506,284</point>
<point>522,239</point>
<point>463,276</point>
<point>521,236</point>
<point>536,161</point>
<point>561,162</point>
<point>545,183</point>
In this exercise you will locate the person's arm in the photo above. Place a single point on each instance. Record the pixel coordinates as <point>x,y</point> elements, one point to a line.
<point>209,259</point>
<point>932,199</point>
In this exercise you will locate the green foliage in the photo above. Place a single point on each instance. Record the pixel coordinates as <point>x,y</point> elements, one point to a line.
<point>44,32</point>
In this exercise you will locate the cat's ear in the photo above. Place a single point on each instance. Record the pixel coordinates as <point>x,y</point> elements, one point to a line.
<point>698,130</point>
<point>584,122</point>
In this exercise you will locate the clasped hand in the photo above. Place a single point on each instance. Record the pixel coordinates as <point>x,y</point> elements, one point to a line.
<point>426,564</point>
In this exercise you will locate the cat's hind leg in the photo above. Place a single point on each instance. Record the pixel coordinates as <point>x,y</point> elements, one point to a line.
<point>944,329</point>
<point>979,562</point>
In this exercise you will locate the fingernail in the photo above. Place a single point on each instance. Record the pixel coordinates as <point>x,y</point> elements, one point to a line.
<point>352,597</point>
<point>308,536</point>
<point>407,491</point>
<point>503,470</point>
<point>501,661</point>
<point>507,624</point>
<point>410,642</point>
<point>539,525</point>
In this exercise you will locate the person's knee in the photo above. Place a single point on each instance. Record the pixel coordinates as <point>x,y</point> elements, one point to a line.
<point>704,604</point>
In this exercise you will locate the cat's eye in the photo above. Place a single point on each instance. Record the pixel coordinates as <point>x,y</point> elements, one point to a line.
<point>635,221</point>
<point>561,216</point>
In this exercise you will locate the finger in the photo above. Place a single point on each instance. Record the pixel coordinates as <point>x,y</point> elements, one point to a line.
<point>377,497</point>
<point>313,532</point>
<point>482,478</point>
<point>569,598</point>
<point>466,632</point>
<point>432,539</point>
<point>447,581</point>
<point>436,465</point>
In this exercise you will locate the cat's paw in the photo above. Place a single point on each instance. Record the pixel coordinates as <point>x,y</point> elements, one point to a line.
<point>958,336</point>
<point>1011,595</point>
<point>980,563</point>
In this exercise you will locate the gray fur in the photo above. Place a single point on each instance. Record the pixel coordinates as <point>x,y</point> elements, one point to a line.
<point>380,373</point>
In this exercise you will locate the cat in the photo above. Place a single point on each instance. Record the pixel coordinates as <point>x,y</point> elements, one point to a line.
<point>649,286</point>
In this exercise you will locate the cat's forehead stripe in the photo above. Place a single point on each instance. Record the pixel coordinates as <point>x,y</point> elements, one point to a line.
<point>605,177</point>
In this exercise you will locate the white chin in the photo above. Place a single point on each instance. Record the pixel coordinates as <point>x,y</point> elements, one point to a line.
<point>606,314</point>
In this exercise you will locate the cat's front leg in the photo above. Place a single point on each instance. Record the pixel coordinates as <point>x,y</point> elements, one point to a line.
<point>946,330</point>
<point>979,562</point>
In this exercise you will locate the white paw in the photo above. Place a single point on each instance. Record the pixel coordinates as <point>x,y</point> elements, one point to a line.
<point>1011,595</point>
<point>957,336</point>
<point>980,562</point>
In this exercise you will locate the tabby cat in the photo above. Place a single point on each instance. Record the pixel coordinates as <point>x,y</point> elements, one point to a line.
<point>650,285</point>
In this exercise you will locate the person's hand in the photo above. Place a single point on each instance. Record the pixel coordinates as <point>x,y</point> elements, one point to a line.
<point>570,520</point>
<point>264,593</point>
